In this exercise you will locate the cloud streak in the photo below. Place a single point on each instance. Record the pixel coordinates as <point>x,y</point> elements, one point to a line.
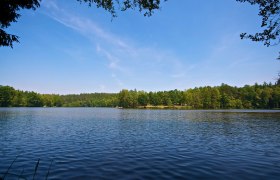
<point>123,58</point>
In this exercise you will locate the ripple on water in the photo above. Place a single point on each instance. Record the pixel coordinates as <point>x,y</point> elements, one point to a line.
<point>100,143</point>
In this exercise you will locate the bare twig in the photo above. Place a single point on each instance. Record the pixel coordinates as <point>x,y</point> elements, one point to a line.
<point>9,168</point>
<point>36,167</point>
<point>49,170</point>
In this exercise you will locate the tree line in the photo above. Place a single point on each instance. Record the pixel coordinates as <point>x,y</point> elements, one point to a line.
<point>257,96</point>
<point>9,97</point>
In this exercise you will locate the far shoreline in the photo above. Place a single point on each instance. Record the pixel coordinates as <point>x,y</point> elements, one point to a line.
<point>147,108</point>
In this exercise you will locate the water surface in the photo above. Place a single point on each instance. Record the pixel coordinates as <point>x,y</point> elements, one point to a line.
<point>104,143</point>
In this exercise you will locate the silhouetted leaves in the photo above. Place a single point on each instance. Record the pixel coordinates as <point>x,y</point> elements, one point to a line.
<point>269,10</point>
<point>9,12</point>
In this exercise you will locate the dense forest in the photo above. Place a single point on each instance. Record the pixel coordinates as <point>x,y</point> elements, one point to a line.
<point>258,96</point>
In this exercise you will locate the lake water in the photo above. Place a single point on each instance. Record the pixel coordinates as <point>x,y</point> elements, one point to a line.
<point>104,143</point>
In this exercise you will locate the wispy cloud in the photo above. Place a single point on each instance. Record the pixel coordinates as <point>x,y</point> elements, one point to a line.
<point>113,60</point>
<point>123,58</point>
<point>83,25</point>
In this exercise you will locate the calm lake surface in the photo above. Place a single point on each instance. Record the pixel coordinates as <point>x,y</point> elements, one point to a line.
<point>104,143</point>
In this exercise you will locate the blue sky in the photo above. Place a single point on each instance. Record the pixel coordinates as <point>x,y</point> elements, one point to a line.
<point>66,47</point>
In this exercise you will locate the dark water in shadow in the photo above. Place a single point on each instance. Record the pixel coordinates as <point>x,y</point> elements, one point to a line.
<point>100,143</point>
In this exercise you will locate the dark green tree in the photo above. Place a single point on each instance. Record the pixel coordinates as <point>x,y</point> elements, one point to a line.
<point>34,100</point>
<point>154,98</point>
<point>143,98</point>
<point>6,96</point>
<point>278,80</point>
<point>197,98</point>
<point>124,98</point>
<point>276,97</point>
<point>19,99</point>
<point>215,98</point>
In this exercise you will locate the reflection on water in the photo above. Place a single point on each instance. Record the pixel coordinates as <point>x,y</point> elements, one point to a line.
<point>94,143</point>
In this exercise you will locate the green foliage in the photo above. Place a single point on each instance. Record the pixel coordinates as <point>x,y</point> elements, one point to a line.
<point>278,80</point>
<point>143,98</point>
<point>128,99</point>
<point>34,100</point>
<point>6,96</point>
<point>265,96</point>
<point>19,99</point>
<point>89,100</point>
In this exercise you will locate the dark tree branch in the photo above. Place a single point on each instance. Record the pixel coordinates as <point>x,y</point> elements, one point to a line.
<point>7,39</point>
<point>269,10</point>
<point>9,12</point>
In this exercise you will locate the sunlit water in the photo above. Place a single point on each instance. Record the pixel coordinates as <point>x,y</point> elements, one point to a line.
<point>100,143</point>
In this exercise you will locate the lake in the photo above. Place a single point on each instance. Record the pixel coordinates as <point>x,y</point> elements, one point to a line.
<point>107,143</point>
